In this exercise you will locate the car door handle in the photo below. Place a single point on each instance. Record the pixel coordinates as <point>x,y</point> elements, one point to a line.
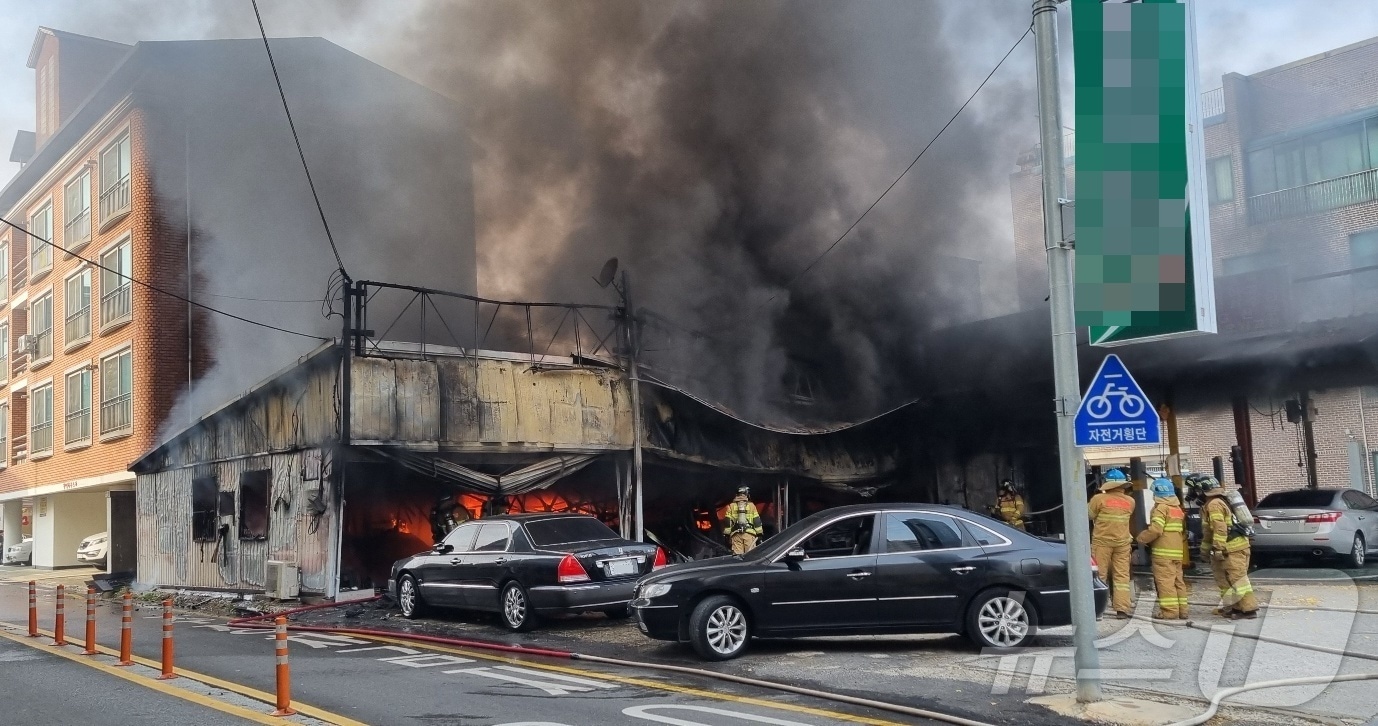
<point>455,560</point>
<point>500,561</point>
<point>962,570</point>
<point>858,575</point>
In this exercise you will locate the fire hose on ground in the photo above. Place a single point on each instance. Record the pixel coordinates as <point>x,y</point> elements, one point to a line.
<point>257,621</point>
<point>1215,701</point>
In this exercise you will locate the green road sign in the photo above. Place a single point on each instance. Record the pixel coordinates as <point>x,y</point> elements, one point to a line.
<point>1142,268</point>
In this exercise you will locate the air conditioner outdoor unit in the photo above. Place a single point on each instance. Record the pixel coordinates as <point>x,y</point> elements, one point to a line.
<point>282,580</point>
<point>26,344</point>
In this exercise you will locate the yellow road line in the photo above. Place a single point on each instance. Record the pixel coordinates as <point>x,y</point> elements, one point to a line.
<point>159,686</point>
<point>686,690</point>
<point>240,688</point>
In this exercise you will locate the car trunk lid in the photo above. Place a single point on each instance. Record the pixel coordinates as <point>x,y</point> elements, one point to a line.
<point>1293,520</point>
<point>615,560</point>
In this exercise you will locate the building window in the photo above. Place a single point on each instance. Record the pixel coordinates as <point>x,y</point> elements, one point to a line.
<point>76,232</point>
<point>1328,154</point>
<point>76,298</point>
<point>1363,256</point>
<point>4,350</point>
<point>114,285</point>
<point>116,394</point>
<point>204,500</point>
<point>41,420</point>
<point>4,272</point>
<point>253,504</point>
<point>41,256</point>
<point>77,425</point>
<point>1220,179</point>
<point>4,435</point>
<point>1252,262</point>
<point>41,321</point>
<point>114,180</point>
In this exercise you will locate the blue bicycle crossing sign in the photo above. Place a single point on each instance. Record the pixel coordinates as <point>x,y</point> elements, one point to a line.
<point>1114,411</point>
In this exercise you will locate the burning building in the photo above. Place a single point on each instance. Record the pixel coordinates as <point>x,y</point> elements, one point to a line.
<point>341,463</point>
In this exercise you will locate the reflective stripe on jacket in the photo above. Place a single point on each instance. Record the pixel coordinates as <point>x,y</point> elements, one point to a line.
<point>735,510</point>
<point>1166,530</point>
<point>1217,520</point>
<point>1110,513</point>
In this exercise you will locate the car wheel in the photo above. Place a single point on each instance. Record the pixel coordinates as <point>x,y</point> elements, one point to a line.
<point>621,613</point>
<point>1001,619</point>
<point>1358,554</point>
<point>516,608</point>
<point>719,628</point>
<point>409,598</point>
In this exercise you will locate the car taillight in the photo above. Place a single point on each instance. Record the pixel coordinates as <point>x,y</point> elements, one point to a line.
<point>1323,517</point>
<point>571,571</point>
<point>660,559</point>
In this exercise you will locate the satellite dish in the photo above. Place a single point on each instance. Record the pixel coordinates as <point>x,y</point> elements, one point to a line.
<point>607,274</point>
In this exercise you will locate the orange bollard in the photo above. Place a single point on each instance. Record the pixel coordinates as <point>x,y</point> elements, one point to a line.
<point>284,672</point>
<point>33,609</point>
<point>127,631</point>
<point>60,621</point>
<point>90,622</point>
<point>167,642</point>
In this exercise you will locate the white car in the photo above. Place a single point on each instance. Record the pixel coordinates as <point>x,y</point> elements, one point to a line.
<point>92,549</point>
<point>20,554</point>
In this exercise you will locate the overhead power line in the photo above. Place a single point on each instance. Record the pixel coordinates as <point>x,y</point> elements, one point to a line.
<point>292,125</point>
<point>925,149</point>
<point>160,290</point>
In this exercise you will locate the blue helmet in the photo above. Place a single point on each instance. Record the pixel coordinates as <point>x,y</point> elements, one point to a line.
<point>1115,475</point>
<point>1163,487</point>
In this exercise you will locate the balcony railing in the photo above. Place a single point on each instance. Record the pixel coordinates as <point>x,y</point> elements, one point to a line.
<point>117,414</point>
<point>43,342</point>
<point>19,274</point>
<point>1213,104</point>
<point>115,200</point>
<point>21,446</point>
<point>77,231</point>
<point>1321,196</point>
<point>18,361</point>
<point>114,305</point>
<point>42,434</point>
<point>77,427</point>
<point>77,326</point>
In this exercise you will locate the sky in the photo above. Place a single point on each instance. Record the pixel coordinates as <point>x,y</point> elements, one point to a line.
<point>717,146</point>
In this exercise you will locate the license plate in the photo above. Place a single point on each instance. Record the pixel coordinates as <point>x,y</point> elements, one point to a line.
<point>617,568</point>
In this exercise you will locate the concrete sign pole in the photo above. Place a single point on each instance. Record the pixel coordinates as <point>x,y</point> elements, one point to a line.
<point>1065,355</point>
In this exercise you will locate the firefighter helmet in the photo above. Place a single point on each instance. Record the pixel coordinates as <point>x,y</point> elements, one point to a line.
<point>1163,487</point>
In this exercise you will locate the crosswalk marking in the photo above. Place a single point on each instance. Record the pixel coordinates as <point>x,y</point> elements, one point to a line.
<point>552,687</point>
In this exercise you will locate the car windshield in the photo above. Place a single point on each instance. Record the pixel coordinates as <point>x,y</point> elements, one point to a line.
<point>567,530</point>
<point>1300,498</point>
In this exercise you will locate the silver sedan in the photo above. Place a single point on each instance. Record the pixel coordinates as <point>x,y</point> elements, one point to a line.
<point>1317,522</point>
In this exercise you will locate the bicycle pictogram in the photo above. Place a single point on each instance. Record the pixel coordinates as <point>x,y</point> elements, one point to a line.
<point>1130,404</point>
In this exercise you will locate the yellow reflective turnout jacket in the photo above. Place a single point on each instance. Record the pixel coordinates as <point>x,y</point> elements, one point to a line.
<point>1166,529</point>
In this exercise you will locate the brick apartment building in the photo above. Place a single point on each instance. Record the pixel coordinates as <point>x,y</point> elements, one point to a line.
<point>137,150</point>
<point>1292,166</point>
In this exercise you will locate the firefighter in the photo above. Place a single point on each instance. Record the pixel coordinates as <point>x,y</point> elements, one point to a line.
<point>1009,506</point>
<point>1228,549</point>
<point>742,523</point>
<point>445,516</point>
<point>1110,511</point>
<point>1166,533</point>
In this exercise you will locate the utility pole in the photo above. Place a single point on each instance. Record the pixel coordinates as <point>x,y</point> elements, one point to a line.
<point>633,353</point>
<point>1067,385</point>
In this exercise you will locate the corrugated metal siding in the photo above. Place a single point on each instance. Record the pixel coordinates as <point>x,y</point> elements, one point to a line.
<point>164,517</point>
<point>466,403</point>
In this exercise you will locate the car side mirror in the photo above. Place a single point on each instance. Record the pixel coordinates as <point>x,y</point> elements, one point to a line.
<point>795,555</point>
<point>442,548</point>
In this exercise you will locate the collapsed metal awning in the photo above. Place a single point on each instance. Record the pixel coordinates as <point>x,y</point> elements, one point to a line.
<point>540,475</point>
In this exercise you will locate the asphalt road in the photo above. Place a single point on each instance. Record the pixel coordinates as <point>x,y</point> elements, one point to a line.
<point>42,688</point>
<point>400,683</point>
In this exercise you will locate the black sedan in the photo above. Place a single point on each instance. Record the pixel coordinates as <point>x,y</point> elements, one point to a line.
<point>867,569</point>
<point>525,566</point>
